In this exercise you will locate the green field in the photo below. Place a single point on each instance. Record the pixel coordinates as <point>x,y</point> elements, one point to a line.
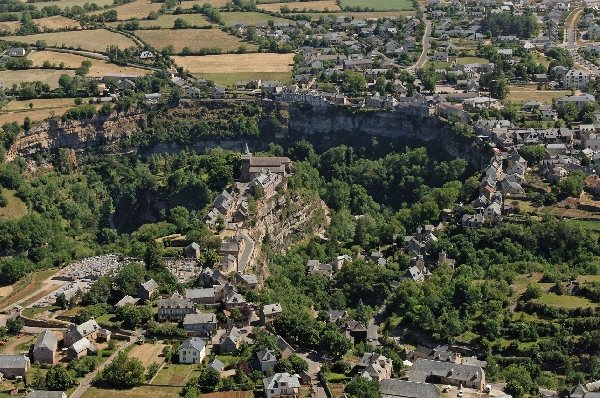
<point>174,374</point>
<point>15,207</point>
<point>230,79</point>
<point>379,5</point>
<point>567,302</point>
<point>168,20</point>
<point>471,60</point>
<point>587,224</point>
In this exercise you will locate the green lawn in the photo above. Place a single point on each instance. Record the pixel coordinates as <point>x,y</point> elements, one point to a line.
<point>173,374</point>
<point>138,392</point>
<point>15,207</point>
<point>379,5</point>
<point>471,60</point>
<point>567,302</point>
<point>106,319</point>
<point>230,79</point>
<point>592,225</point>
<point>33,311</point>
<point>336,377</point>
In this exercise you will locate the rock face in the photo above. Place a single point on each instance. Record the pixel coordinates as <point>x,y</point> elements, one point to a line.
<point>75,134</point>
<point>329,126</point>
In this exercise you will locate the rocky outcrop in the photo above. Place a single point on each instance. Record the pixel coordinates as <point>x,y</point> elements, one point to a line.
<point>55,134</point>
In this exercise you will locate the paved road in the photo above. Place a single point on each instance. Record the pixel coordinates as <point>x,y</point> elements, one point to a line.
<point>247,254</point>
<point>86,382</point>
<point>426,44</point>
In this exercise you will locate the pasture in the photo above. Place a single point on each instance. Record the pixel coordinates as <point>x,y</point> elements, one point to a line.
<point>318,5</point>
<point>10,26</point>
<point>147,353</point>
<point>70,3</point>
<point>135,10</point>
<point>57,22</point>
<point>137,392</point>
<point>92,40</point>
<point>520,94</point>
<point>15,208</point>
<point>215,3</point>
<point>194,39</point>
<point>174,374</point>
<point>167,21</point>
<point>98,68</point>
<point>252,18</point>
<point>48,76</point>
<point>379,5</point>
<point>234,63</point>
<point>567,302</point>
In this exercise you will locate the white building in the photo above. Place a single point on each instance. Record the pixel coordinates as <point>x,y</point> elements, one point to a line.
<point>282,385</point>
<point>192,350</point>
<point>576,78</point>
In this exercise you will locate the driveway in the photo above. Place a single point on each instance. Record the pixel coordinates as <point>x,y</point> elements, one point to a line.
<point>426,45</point>
<point>248,252</point>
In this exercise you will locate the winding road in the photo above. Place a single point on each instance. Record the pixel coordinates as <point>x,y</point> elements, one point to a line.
<point>426,44</point>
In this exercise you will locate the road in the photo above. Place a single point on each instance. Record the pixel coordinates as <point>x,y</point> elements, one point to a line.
<point>247,254</point>
<point>86,382</point>
<point>314,366</point>
<point>425,42</point>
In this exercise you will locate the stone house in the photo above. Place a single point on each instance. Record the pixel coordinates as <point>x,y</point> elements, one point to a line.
<point>192,250</point>
<point>45,394</point>
<point>14,365</point>
<point>80,349</point>
<point>396,388</point>
<point>230,341</point>
<point>175,309</point>
<point>146,290</point>
<point>438,372</point>
<point>266,359</point>
<point>88,330</point>
<point>44,348</point>
<point>375,366</point>
<point>268,312</point>
<point>204,324</point>
<point>192,350</point>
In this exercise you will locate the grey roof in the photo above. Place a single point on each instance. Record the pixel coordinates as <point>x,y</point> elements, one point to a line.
<point>408,389</point>
<point>87,328</point>
<point>195,342</point>
<point>13,361</point>
<point>248,278</point>
<point>423,368</point>
<point>192,294</point>
<point>175,303</point>
<point>292,381</point>
<point>203,317</point>
<point>150,285</point>
<point>82,345</point>
<point>127,300</point>
<point>266,355</point>
<point>217,365</point>
<point>233,334</point>
<point>46,340</point>
<point>271,309</point>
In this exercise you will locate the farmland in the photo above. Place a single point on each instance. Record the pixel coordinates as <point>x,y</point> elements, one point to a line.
<point>99,67</point>
<point>232,18</point>
<point>48,76</point>
<point>520,94</point>
<point>379,5</point>
<point>233,63</point>
<point>147,353</point>
<point>138,392</point>
<point>57,22</point>
<point>91,40</point>
<point>10,26</point>
<point>194,39</point>
<point>320,5</point>
<point>214,3</point>
<point>134,10</point>
<point>374,15</point>
<point>70,3</point>
<point>168,20</point>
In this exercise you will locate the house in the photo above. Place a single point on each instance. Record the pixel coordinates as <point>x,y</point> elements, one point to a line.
<point>266,359</point>
<point>576,78</point>
<point>14,365</point>
<point>472,220</point>
<point>578,100</point>
<point>248,281</point>
<point>192,350</point>
<point>192,250</point>
<point>16,52</point>
<point>438,372</point>
<point>217,365</point>
<point>396,388</point>
<point>284,348</point>
<point>44,348</point>
<point>230,341</point>
<point>152,98</point>
<point>175,308</point>
<point>147,289</point>
<point>477,103</point>
<point>268,312</point>
<point>282,385</point>
<point>375,366</point>
<point>88,330</point>
<point>146,54</point>
<point>254,165</point>
<point>335,316</point>
<point>218,92</point>
<point>126,300</point>
<point>582,392</point>
<point>45,394</point>
<point>204,323</point>
<point>80,349</point>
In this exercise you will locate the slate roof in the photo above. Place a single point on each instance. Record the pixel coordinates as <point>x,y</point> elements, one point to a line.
<point>46,340</point>
<point>126,300</point>
<point>217,365</point>
<point>273,382</point>
<point>14,361</point>
<point>423,368</point>
<point>82,345</point>
<point>203,317</point>
<point>266,355</point>
<point>195,342</point>
<point>44,394</point>
<point>270,309</point>
<point>150,285</point>
<point>87,328</point>
<point>394,388</point>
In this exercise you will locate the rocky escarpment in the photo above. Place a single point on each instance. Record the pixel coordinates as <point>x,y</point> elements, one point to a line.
<point>55,134</point>
<point>283,220</point>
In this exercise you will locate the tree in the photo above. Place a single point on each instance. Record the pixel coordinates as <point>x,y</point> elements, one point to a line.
<point>361,387</point>
<point>518,381</point>
<point>353,83</point>
<point>181,23</point>
<point>532,153</point>
<point>209,380</point>
<point>123,372</point>
<point>572,185</point>
<point>59,378</point>
<point>129,278</point>
<point>14,325</point>
<point>299,365</point>
<point>532,292</point>
<point>62,301</point>
<point>134,316</point>
<point>334,343</point>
